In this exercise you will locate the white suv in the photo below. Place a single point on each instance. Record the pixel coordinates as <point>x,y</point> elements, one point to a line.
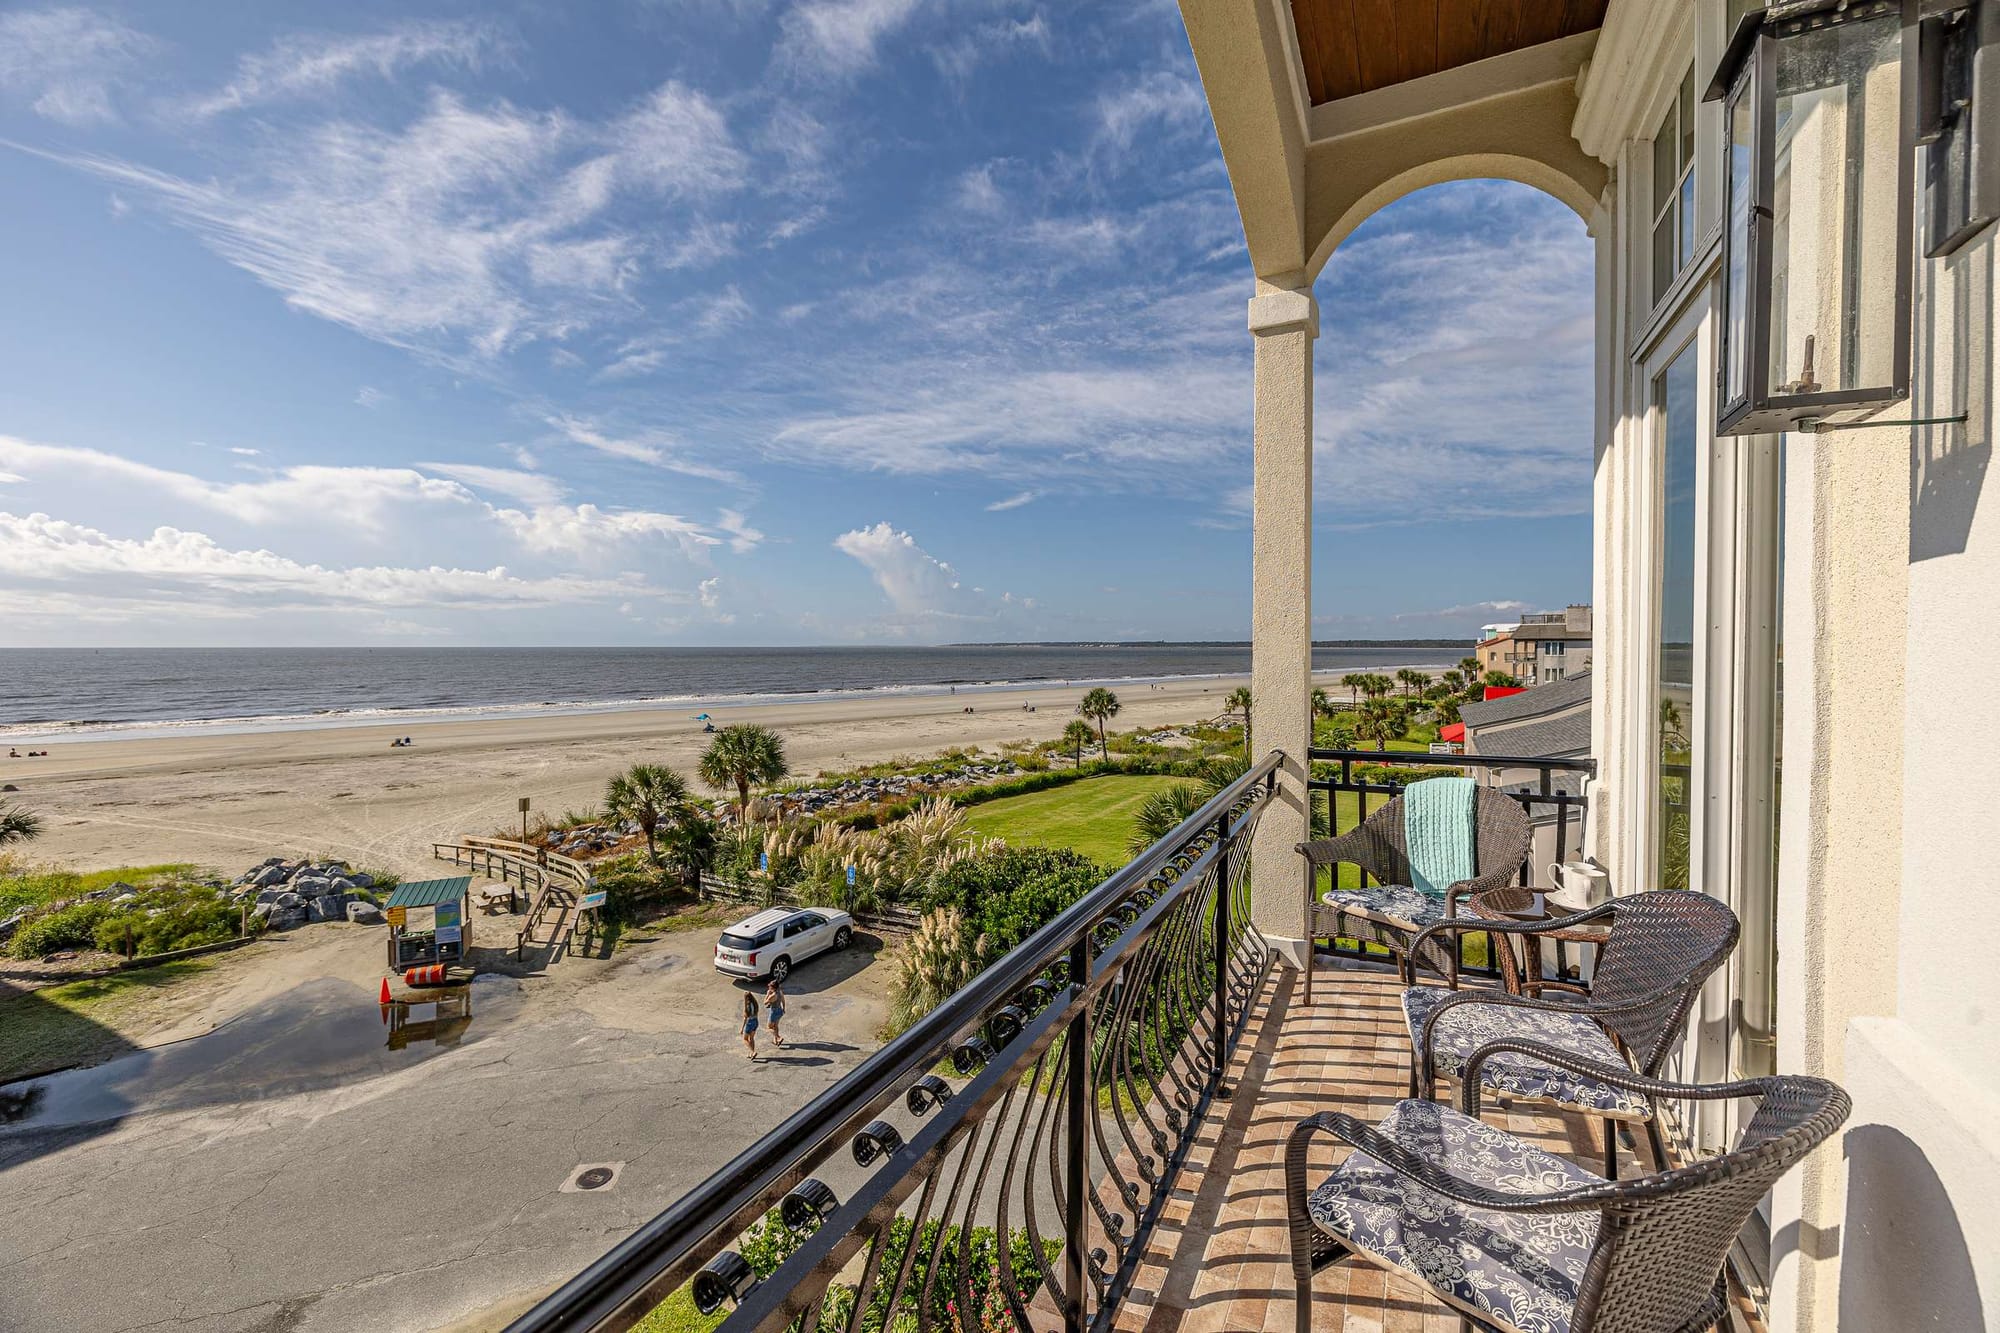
<point>778,939</point>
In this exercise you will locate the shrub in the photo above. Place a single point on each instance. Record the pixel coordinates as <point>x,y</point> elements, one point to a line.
<point>162,920</point>
<point>72,927</point>
<point>1008,893</point>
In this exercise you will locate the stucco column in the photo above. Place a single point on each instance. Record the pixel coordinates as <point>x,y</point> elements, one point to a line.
<point>1846,567</point>
<point>1284,323</point>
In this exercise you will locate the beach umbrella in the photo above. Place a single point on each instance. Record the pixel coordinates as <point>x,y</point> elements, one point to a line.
<point>701,717</point>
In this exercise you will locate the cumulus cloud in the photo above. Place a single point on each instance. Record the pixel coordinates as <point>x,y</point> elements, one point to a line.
<point>585,531</point>
<point>312,64</point>
<point>67,63</point>
<point>915,581</point>
<point>172,568</point>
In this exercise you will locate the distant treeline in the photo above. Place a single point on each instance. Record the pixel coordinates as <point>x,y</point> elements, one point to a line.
<point>1213,643</point>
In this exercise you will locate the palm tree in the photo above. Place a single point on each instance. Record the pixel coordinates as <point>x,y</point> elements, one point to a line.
<point>1321,705</point>
<point>1354,680</point>
<point>1500,680</point>
<point>1454,680</point>
<point>1382,721</point>
<point>741,755</point>
<point>1164,811</point>
<point>690,844</point>
<point>1239,702</point>
<point>1077,735</point>
<point>17,824</point>
<point>1100,705</point>
<point>1375,686</point>
<point>1412,680</point>
<point>1470,666</point>
<point>648,795</point>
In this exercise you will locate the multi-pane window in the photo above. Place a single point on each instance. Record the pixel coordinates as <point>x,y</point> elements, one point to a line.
<point>1674,393</point>
<point>1673,188</point>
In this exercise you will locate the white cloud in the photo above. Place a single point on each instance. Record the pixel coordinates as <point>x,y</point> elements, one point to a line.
<point>66,63</point>
<point>359,497</point>
<point>528,487</point>
<point>370,397</point>
<point>1013,502</point>
<point>1163,95</point>
<point>1500,608</point>
<point>914,581</point>
<point>312,64</point>
<point>468,232</point>
<point>979,193</point>
<point>652,448</point>
<point>189,571</point>
<point>961,57</point>
<point>839,37</point>
<point>742,537</point>
<point>244,452</point>
<point>584,531</point>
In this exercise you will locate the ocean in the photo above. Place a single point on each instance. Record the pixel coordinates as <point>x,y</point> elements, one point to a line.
<point>102,692</point>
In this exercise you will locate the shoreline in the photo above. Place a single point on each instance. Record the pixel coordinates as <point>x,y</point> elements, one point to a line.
<point>228,799</point>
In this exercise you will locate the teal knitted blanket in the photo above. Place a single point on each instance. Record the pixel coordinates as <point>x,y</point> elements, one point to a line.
<point>1438,827</point>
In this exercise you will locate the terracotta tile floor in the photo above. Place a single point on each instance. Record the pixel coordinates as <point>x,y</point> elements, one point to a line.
<point>1221,1258</point>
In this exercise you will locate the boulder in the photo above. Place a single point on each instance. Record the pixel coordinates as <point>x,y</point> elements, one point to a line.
<point>365,914</point>
<point>327,907</point>
<point>288,902</point>
<point>311,887</point>
<point>360,879</point>
<point>284,918</point>
<point>269,876</point>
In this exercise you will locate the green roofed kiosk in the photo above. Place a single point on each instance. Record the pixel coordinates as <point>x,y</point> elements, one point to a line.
<point>428,921</point>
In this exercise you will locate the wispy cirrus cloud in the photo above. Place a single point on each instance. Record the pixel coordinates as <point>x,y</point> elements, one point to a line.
<point>1013,502</point>
<point>469,231</point>
<point>313,64</point>
<point>837,38</point>
<point>68,64</point>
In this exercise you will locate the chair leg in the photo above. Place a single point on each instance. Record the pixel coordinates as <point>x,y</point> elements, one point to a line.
<point>1659,1142</point>
<point>1611,1150</point>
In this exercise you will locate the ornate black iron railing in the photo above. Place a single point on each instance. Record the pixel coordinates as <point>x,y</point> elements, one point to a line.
<point>1544,795</point>
<point>1003,1162</point>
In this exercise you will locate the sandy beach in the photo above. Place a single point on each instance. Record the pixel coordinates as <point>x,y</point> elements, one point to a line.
<point>226,800</point>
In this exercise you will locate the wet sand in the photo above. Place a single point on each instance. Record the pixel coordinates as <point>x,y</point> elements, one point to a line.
<point>227,801</point>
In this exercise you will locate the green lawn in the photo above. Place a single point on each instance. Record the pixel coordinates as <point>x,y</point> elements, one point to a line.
<point>79,1023</point>
<point>1094,817</point>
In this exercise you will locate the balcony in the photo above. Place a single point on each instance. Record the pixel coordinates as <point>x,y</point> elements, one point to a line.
<point>1140,1187</point>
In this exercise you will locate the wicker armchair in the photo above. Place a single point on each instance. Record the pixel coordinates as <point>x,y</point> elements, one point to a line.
<point>1438,1196</point>
<point>1391,913</point>
<point>1662,946</point>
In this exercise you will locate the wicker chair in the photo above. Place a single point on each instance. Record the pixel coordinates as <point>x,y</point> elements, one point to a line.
<point>1391,913</point>
<point>1517,1239</point>
<point>1661,947</point>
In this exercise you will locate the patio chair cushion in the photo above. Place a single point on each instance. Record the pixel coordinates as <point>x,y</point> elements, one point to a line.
<point>1466,1027</point>
<point>1395,905</point>
<point>1516,1271</point>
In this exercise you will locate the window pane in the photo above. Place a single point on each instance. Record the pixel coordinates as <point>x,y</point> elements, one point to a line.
<point>1666,166</point>
<point>1663,256</point>
<point>1686,210</point>
<point>1687,118</point>
<point>1674,391</point>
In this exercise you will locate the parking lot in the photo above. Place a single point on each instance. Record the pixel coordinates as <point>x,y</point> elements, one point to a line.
<point>292,1170</point>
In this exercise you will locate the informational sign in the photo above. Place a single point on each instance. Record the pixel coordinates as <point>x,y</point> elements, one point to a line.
<point>420,920</point>
<point>449,916</point>
<point>595,898</point>
<point>850,877</point>
<point>398,916</point>
<point>764,861</point>
<point>448,934</point>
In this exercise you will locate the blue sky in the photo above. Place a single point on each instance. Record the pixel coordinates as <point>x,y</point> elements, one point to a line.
<point>722,321</point>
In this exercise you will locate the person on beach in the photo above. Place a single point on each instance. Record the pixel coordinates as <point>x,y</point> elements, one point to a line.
<point>750,1024</point>
<point>774,1009</point>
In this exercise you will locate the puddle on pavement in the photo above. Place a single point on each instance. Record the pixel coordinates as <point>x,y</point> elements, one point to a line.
<point>322,1034</point>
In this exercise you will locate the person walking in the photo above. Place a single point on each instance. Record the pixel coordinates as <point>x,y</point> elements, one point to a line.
<point>750,1024</point>
<point>774,1008</point>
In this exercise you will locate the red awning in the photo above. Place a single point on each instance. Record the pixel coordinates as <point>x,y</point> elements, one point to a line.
<point>1502,691</point>
<point>1452,731</point>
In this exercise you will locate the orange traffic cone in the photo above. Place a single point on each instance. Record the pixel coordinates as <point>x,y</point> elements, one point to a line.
<point>385,990</point>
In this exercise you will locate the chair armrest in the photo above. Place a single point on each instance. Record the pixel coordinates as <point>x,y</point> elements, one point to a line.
<point>1506,927</point>
<point>1420,1169</point>
<point>1618,1076</point>
<point>1588,1008</point>
<point>1327,851</point>
<point>1494,879</point>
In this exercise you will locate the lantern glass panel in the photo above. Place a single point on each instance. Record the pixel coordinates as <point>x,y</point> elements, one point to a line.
<point>1739,125</point>
<point>1834,227</point>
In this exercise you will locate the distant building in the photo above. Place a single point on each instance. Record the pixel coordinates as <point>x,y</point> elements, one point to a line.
<point>1544,646</point>
<point>1549,723</point>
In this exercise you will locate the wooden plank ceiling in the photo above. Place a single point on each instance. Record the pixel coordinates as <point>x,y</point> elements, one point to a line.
<point>1355,46</point>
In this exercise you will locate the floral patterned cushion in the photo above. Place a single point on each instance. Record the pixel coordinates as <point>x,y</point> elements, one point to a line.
<point>1390,904</point>
<point>1466,1027</point>
<point>1516,1271</point>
